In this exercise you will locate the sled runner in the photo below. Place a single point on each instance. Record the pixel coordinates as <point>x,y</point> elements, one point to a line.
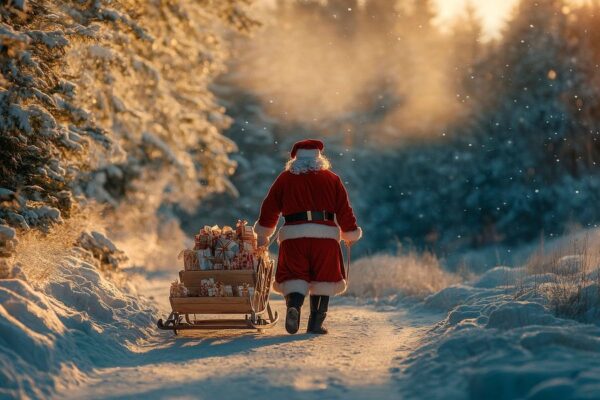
<point>187,311</point>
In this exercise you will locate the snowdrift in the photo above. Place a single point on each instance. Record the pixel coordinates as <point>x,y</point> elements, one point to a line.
<point>53,331</point>
<point>503,338</point>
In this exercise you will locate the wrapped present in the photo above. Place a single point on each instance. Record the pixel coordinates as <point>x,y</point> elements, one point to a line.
<point>190,260</point>
<point>237,290</point>
<point>218,265</point>
<point>246,233</point>
<point>226,249</point>
<point>235,263</point>
<point>228,232</point>
<point>248,246</point>
<point>203,291</point>
<point>205,259</point>
<point>204,239</point>
<point>243,290</point>
<point>219,289</point>
<point>240,227</point>
<point>201,241</point>
<point>178,290</point>
<point>206,286</point>
<point>243,260</point>
<point>247,260</point>
<point>216,231</point>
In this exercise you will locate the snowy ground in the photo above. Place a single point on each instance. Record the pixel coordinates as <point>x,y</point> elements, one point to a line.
<point>500,341</point>
<point>77,334</point>
<point>357,360</point>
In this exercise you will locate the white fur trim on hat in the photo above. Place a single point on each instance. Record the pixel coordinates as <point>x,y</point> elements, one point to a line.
<point>263,230</point>
<point>327,288</point>
<point>307,153</point>
<point>352,236</point>
<point>318,231</point>
<point>291,286</point>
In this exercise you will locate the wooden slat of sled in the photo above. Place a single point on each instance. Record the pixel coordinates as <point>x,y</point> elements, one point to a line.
<point>211,305</point>
<point>193,278</point>
<point>222,323</point>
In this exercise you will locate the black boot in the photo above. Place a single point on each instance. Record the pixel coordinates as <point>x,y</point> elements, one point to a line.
<point>318,312</point>
<point>294,303</point>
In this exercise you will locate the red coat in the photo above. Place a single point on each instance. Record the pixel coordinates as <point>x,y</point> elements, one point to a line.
<point>313,191</point>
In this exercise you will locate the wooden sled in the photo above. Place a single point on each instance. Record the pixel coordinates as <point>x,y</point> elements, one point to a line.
<point>256,309</point>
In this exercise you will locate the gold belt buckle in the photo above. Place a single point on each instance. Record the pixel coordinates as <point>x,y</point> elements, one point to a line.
<point>309,215</point>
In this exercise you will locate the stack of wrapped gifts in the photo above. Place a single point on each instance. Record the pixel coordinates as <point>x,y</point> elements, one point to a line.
<point>210,288</point>
<point>224,249</point>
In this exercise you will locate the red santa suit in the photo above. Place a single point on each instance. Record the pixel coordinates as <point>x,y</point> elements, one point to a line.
<point>310,258</point>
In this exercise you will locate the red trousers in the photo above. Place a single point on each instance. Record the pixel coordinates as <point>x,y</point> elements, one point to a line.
<point>310,260</point>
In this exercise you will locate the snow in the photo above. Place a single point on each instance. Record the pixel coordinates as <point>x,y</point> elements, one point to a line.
<point>7,233</point>
<point>83,334</point>
<point>502,340</point>
<point>52,333</point>
<point>88,333</point>
<point>360,352</point>
<point>516,314</point>
<point>499,276</point>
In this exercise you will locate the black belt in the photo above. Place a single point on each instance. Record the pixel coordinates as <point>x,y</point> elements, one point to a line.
<point>310,216</point>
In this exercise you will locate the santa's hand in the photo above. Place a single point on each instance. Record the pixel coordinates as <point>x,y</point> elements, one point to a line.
<point>351,237</point>
<point>263,241</point>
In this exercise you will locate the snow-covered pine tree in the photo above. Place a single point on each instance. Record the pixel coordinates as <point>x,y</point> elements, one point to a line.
<point>45,133</point>
<point>527,124</point>
<point>111,101</point>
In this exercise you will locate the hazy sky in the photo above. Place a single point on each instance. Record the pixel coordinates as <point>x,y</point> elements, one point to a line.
<point>492,12</point>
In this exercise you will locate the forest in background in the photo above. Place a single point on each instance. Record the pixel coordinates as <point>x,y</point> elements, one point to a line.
<point>446,141</point>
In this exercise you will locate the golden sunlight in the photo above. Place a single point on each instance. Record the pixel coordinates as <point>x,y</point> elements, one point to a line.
<point>492,13</point>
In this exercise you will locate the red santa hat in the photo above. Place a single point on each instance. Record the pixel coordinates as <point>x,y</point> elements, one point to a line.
<point>308,148</point>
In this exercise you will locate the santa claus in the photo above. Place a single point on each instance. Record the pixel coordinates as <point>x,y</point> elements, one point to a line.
<point>317,213</point>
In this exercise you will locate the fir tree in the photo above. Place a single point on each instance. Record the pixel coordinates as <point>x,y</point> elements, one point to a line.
<point>111,101</point>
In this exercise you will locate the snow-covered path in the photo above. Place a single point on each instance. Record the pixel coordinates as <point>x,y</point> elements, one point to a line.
<point>358,360</point>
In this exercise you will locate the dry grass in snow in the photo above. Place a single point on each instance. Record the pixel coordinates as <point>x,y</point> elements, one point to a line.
<point>569,275</point>
<point>411,274</point>
<point>39,254</point>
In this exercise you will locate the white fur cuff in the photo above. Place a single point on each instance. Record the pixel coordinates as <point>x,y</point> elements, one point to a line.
<point>318,231</point>
<point>291,286</point>
<point>327,288</point>
<point>352,236</point>
<point>263,230</point>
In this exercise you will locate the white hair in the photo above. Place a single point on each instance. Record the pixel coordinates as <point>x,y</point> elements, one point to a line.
<point>302,165</point>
